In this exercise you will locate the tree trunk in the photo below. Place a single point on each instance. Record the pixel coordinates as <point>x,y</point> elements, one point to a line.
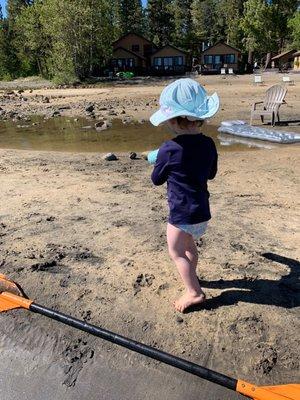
<point>250,57</point>
<point>268,59</point>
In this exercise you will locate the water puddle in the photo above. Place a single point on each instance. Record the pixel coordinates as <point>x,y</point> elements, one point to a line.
<point>79,135</point>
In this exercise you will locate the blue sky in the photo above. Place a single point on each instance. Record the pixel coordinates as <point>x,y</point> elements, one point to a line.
<point>3,2</point>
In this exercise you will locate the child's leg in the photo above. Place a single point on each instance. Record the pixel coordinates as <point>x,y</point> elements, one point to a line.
<point>192,252</point>
<point>178,243</point>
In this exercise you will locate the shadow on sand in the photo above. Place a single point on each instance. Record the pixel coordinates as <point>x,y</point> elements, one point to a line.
<point>282,293</point>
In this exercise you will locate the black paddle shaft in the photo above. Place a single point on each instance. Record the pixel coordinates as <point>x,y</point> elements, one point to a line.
<point>141,348</point>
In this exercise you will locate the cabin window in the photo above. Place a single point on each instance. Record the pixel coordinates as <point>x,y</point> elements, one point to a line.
<point>135,48</point>
<point>208,59</point>
<point>167,62</point>
<point>122,62</point>
<point>178,60</point>
<point>217,59</point>
<point>230,58</point>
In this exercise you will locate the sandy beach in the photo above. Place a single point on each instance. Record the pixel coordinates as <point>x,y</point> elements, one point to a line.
<point>87,237</point>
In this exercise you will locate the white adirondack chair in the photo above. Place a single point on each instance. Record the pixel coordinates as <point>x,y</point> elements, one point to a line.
<point>274,98</point>
<point>230,71</point>
<point>223,71</point>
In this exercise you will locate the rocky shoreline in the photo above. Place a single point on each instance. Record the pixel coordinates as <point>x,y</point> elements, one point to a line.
<point>108,101</point>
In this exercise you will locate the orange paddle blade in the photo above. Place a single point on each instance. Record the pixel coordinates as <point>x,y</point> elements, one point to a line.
<point>11,295</point>
<point>280,392</point>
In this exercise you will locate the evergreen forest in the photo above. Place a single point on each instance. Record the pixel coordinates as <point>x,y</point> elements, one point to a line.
<point>69,40</point>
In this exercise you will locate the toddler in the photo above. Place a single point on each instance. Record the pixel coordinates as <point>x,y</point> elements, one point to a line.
<point>186,163</point>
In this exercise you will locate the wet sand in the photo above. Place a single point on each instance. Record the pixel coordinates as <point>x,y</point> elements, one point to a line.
<point>37,372</point>
<point>87,237</point>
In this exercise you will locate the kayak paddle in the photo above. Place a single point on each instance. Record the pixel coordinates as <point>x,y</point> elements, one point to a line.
<point>12,296</point>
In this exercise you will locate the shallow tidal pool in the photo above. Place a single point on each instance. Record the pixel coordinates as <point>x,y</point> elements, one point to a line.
<point>79,135</point>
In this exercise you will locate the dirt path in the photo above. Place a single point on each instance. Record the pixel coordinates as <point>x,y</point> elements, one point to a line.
<point>87,237</point>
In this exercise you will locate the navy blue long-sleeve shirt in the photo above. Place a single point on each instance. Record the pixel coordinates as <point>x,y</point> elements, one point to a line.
<point>186,163</point>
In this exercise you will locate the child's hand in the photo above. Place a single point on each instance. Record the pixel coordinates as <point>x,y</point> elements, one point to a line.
<point>152,156</point>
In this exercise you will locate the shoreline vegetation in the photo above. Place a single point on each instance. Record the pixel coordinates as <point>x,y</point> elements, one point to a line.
<point>72,40</point>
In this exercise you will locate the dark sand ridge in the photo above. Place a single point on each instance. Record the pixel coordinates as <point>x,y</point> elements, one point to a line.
<point>87,237</point>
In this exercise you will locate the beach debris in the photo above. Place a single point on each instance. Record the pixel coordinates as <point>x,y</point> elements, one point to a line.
<point>102,125</point>
<point>133,156</point>
<point>127,120</point>
<point>110,157</point>
<point>145,326</point>
<point>87,127</point>
<point>55,113</point>
<point>179,319</point>
<point>90,108</point>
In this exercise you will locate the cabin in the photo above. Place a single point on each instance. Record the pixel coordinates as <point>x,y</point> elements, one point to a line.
<point>170,60</point>
<point>132,52</point>
<point>296,62</point>
<point>283,60</point>
<point>220,55</point>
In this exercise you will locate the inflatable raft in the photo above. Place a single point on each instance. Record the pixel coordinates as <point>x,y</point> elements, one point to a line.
<point>240,128</point>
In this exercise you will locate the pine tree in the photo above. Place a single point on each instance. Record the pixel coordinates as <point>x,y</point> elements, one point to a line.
<point>294,26</point>
<point>183,32</point>
<point>232,11</point>
<point>20,63</point>
<point>14,8</point>
<point>257,25</point>
<point>206,20</point>
<point>34,43</point>
<point>5,55</point>
<point>160,21</point>
<point>281,12</point>
<point>131,16</point>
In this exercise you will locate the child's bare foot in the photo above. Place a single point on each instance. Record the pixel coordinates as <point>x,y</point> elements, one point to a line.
<point>188,300</point>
